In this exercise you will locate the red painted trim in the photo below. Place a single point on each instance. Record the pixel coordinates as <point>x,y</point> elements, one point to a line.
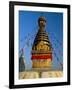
<point>34,57</point>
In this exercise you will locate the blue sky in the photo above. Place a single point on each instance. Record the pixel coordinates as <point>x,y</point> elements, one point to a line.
<point>28,27</point>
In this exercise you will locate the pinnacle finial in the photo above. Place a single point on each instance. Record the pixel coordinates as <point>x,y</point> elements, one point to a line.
<point>41,22</point>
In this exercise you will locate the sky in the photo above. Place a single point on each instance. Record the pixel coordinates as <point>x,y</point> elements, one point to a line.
<point>28,27</point>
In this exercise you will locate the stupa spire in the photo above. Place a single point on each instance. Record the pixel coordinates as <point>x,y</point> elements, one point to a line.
<point>41,50</point>
<point>21,61</point>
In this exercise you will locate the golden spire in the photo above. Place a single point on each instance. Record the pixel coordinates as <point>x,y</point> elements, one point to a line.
<point>41,50</point>
<point>41,35</point>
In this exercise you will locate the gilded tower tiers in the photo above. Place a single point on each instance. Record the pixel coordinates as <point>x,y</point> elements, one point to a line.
<point>41,49</point>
